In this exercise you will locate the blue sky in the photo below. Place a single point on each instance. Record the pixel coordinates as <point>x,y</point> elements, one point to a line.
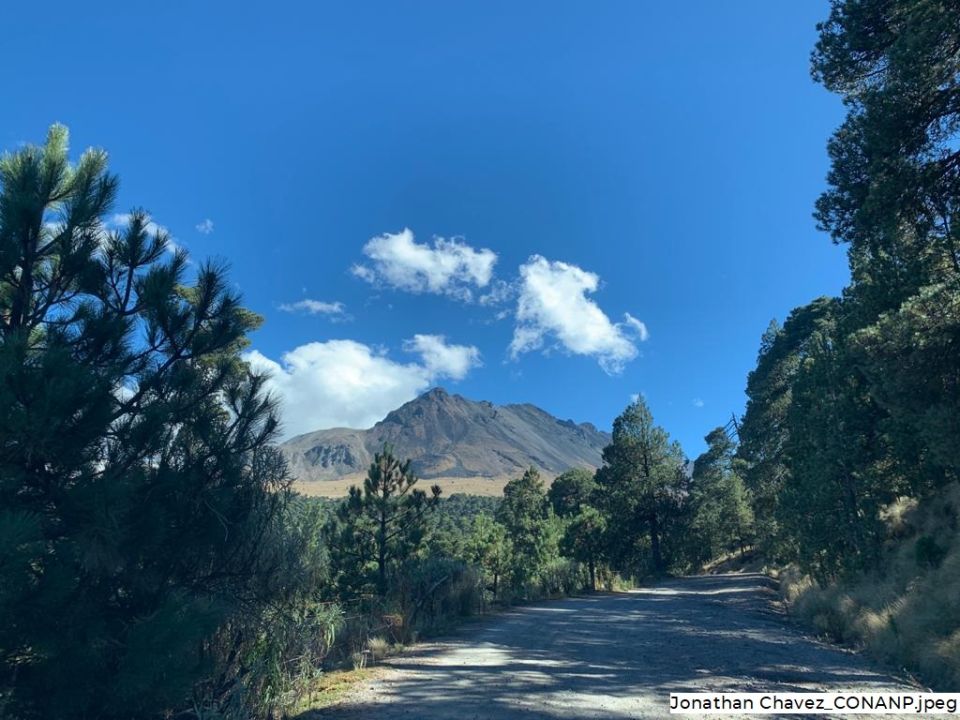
<point>566,172</point>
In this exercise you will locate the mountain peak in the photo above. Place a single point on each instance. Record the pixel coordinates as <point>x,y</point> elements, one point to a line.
<point>449,436</point>
<point>435,403</point>
<point>434,395</point>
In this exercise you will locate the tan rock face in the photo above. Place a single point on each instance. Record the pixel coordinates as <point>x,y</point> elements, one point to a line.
<point>450,436</point>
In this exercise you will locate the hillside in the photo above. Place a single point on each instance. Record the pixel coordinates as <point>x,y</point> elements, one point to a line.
<point>449,436</point>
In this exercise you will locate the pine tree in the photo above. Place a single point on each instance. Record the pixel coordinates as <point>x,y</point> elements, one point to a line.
<point>840,474</point>
<point>139,491</point>
<point>489,548</point>
<point>585,539</point>
<point>640,485</point>
<point>894,191</point>
<point>381,525</point>
<point>910,358</point>
<point>765,428</point>
<point>570,491</point>
<point>525,512</point>
<point>721,512</point>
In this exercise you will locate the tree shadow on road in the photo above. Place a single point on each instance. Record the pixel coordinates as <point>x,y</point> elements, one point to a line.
<point>615,655</point>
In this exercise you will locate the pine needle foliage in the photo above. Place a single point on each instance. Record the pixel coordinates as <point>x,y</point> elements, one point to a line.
<point>381,525</point>
<point>139,491</point>
<point>641,488</point>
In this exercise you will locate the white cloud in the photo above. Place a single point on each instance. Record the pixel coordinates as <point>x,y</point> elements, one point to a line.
<point>205,227</point>
<point>344,383</point>
<point>315,307</point>
<point>698,403</point>
<point>638,326</point>
<point>449,267</point>
<point>364,273</point>
<point>553,303</point>
<point>440,359</point>
<point>499,292</point>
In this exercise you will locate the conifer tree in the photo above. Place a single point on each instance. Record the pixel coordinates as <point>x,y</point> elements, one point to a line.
<point>765,428</point>
<point>721,512</point>
<point>640,485</point>
<point>382,524</point>
<point>585,539</point>
<point>489,547</point>
<point>571,490</point>
<point>525,512</point>
<point>139,491</point>
<point>894,192</point>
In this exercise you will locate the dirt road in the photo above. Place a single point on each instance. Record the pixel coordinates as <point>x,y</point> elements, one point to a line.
<point>613,656</point>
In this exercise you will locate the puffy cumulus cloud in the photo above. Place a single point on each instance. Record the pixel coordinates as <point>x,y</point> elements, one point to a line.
<point>448,267</point>
<point>553,303</point>
<point>205,226</point>
<point>344,383</point>
<point>442,360</point>
<point>316,307</point>
<point>698,403</point>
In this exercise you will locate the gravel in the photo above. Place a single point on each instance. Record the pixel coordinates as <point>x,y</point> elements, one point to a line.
<point>616,655</point>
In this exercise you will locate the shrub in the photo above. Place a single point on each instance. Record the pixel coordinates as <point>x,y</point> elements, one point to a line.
<point>379,647</point>
<point>435,592</point>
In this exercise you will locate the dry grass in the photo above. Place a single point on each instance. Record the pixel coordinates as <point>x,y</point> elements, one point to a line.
<point>898,515</point>
<point>910,615</point>
<point>490,487</point>
<point>749,561</point>
<point>379,648</point>
<point>332,687</point>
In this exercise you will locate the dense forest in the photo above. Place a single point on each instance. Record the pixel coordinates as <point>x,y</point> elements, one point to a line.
<point>155,561</point>
<point>851,439</point>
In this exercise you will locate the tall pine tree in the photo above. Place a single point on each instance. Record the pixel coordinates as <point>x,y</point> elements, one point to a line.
<point>641,487</point>
<point>381,525</point>
<point>722,517</point>
<point>138,486</point>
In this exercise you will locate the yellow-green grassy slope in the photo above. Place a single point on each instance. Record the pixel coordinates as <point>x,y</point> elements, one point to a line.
<point>908,615</point>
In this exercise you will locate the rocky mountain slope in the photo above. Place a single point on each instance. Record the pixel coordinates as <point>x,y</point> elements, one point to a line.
<point>449,436</point>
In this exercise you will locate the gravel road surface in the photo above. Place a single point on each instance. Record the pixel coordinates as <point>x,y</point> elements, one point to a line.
<point>613,656</point>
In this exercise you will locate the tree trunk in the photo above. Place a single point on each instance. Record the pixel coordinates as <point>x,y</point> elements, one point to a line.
<point>21,300</point>
<point>382,556</point>
<point>655,544</point>
<point>593,575</point>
